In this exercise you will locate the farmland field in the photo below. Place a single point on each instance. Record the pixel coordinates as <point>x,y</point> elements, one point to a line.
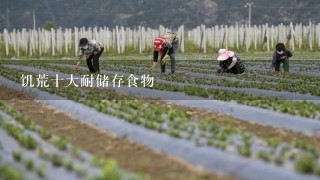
<point>128,123</point>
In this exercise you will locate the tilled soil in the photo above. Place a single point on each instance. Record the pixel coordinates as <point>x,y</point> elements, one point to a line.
<point>130,156</point>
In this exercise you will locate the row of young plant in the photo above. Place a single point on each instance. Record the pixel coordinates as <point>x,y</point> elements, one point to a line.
<point>208,68</point>
<point>249,81</point>
<point>226,77</point>
<point>63,156</point>
<point>302,108</point>
<point>249,64</point>
<point>292,67</point>
<point>180,124</point>
<point>295,62</point>
<point>212,67</point>
<point>260,76</point>
<point>254,66</point>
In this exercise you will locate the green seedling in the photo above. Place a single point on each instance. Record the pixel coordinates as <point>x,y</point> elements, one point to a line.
<point>56,160</point>
<point>279,160</point>
<point>28,142</point>
<point>69,165</point>
<point>29,164</point>
<point>284,150</point>
<point>80,170</point>
<point>247,139</point>
<point>7,172</point>
<point>222,145</point>
<point>272,142</point>
<point>44,154</point>
<point>44,134</point>
<point>16,155</point>
<point>62,144</point>
<point>109,171</point>
<point>264,156</point>
<point>244,150</point>
<point>305,164</point>
<point>317,171</point>
<point>42,171</point>
<point>291,155</point>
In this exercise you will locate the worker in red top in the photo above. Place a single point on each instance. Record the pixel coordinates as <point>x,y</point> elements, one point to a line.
<point>165,45</point>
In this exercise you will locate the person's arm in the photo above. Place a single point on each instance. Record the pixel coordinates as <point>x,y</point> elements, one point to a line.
<point>77,65</point>
<point>79,60</point>
<point>155,59</point>
<point>234,62</point>
<point>155,56</point>
<point>164,53</point>
<point>286,55</point>
<point>289,53</point>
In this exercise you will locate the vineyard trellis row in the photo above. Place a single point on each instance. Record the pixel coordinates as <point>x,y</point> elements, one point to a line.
<point>64,41</point>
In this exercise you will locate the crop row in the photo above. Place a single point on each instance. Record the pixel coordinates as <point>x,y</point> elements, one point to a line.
<point>67,158</point>
<point>299,84</point>
<point>208,69</point>
<point>180,124</point>
<point>205,64</point>
<point>287,86</point>
<point>252,76</point>
<point>228,80</point>
<point>303,108</point>
<point>250,81</point>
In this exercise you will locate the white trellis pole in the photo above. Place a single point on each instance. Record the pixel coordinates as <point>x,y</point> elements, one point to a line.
<point>76,40</point>
<point>6,40</point>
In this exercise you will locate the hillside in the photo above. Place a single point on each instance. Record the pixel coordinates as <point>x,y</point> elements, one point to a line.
<point>153,12</point>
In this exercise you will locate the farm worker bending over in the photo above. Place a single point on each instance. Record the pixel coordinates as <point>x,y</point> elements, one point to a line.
<point>92,50</point>
<point>229,62</point>
<point>165,45</point>
<point>281,55</point>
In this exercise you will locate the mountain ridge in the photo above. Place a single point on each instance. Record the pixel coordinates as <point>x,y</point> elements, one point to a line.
<point>152,13</point>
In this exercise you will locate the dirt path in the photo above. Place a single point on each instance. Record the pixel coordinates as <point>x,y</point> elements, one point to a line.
<point>130,156</point>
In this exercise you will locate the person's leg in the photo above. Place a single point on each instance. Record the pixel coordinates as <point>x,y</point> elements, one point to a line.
<point>96,64</point>
<point>96,61</point>
<point>286,65</point>
<point>89,63</point>
<point>277,68</point>
<point>236,69</point>
<point>233,70</point>
<point>163,67</point>
<point>172,60</point>
<point>172,53</point>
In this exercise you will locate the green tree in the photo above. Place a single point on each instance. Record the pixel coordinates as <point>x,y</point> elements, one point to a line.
<point>48,25</point>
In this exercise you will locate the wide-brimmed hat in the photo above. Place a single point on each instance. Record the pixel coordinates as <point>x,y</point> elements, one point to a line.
<point>224,54</point>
